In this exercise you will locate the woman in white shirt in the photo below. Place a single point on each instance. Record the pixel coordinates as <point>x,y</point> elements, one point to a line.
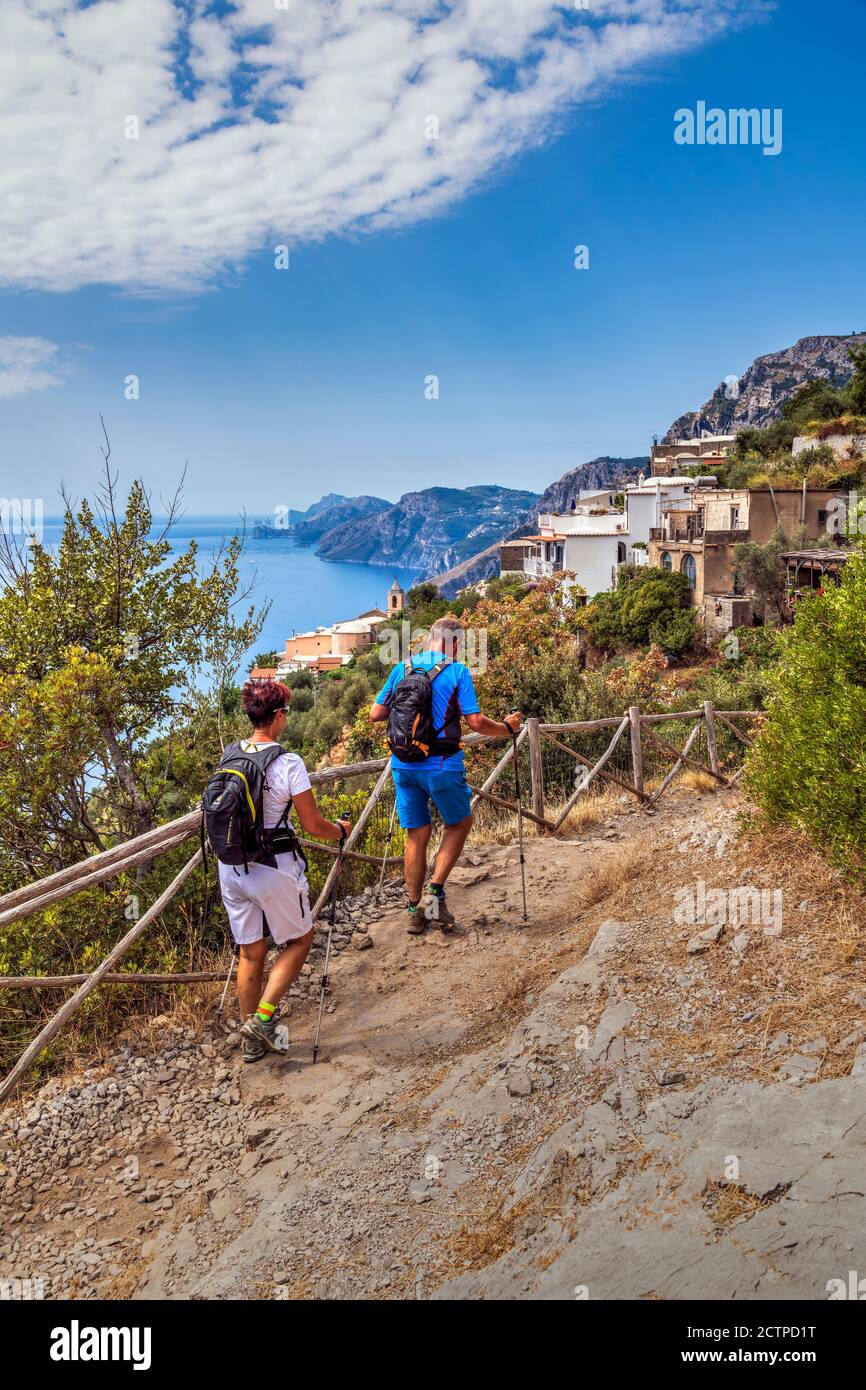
<point>280,894</point>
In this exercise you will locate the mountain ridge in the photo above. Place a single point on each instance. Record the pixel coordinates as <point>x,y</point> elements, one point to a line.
<point>767,384</point>
<point>429,530</point>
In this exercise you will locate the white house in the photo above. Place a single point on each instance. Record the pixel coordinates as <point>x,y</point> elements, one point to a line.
<point>592,540</point>
<point>647,501</point>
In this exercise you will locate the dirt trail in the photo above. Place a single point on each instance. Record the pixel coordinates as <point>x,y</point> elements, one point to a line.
<point>584,1106</point>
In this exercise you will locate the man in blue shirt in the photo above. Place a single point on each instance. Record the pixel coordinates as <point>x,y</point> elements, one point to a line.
<point>439,778</point>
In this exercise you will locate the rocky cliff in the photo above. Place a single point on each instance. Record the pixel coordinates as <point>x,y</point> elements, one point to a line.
<point>308,526</point>
<point>756,398</point>
<point>604,472</point>
<point>348,509</point>
<point>431,530</point>
<point>484,565</point>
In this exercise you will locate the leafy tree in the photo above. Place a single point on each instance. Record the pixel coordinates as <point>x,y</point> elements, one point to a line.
<point>103,645</point>
<point>761,569</point>
<point>531,650</point>
<point>855,391</point>
<point>808,768</point>
<point>676,633</point>
<point>265,659</point>
<point>645,600</point>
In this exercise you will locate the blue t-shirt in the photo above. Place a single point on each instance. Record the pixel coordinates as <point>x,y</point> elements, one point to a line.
<point>454,678</point>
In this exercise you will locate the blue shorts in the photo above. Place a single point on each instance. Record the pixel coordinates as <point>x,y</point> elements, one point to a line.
<point>417,784</point>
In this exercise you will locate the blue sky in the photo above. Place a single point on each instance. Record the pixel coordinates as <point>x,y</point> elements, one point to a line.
<point>280,385</point>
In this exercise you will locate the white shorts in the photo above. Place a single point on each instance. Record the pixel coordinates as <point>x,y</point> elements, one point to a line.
<point>282,895</point>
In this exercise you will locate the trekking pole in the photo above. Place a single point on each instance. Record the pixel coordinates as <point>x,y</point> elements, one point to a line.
<point>385,855</point>
<point>519,815</point>
<point>228,979</point>
<point>332,913</point>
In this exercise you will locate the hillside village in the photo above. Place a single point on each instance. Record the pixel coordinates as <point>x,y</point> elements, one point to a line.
<point>685,508</point>
<point>679,518</point>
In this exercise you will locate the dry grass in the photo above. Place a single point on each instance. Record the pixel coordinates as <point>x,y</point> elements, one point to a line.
<point>594,807</point>
<point>728,1202</point>
<point>691,779</point>
<point>614,874</point>
<point>809,982</point>
<point>491,1238</point>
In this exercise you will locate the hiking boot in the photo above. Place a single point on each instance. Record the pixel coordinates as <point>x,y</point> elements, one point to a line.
<point>253,1050</point>
<point>436,910</point>
<point>265,1034</point>
<point>417,921</point>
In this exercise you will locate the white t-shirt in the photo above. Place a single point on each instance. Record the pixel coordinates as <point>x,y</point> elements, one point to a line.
<point>285,778</point>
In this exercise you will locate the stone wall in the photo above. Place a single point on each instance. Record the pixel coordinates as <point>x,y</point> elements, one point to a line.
<point>843,445</point>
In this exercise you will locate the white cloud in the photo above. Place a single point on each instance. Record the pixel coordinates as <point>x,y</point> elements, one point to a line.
<point>28,364</point>
<point>270,125</point>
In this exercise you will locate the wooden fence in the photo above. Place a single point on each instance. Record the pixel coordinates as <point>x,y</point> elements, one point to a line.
<point>645,744</point>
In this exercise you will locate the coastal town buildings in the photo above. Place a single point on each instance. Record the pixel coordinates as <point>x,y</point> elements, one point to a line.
<point>593,538</point>
<point>326,648</point>
<point>685,524</point>
<point>676,456</point>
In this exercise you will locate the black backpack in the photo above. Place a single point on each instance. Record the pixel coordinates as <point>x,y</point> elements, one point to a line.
<point>412,736</point>
<point>232,809</point>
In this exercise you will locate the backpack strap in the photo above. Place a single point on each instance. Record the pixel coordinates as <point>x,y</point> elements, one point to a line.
<point>434,671</point>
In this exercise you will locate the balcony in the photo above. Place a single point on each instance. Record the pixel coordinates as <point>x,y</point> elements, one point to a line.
<point>729,537</point>
<point>542,569</point>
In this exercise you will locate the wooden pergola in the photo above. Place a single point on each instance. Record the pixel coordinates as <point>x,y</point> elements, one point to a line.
<point>808,569</point>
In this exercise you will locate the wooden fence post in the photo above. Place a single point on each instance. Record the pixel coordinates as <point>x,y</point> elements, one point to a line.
<point>712,750</point>
<point>636,752</point>
<point>536,769</point>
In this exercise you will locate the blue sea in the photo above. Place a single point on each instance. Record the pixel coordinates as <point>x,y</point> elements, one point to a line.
<point>305,592</point>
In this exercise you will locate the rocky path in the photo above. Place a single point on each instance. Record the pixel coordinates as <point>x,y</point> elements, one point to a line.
<point>598,1104</point>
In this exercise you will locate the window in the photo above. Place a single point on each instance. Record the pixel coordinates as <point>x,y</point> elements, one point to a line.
<point>735,518</point>
<point>620,552</point>
<point>667,562</point>
<point>690,570</point>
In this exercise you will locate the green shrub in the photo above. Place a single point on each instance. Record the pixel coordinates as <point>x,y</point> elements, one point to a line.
<point>645,600</point>
<point>808,768</point>
<point>675,634</point>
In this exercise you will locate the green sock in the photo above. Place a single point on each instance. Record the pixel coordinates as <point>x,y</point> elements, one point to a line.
<point>438,889</point>
<point>265,1011</point>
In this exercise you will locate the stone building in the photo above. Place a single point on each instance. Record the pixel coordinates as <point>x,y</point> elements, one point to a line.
<point>698,540</point>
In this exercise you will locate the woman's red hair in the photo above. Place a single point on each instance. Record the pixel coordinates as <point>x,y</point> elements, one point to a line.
<point>262,699</point>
